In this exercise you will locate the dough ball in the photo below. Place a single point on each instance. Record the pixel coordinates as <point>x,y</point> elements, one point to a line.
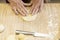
<point>29,17</point>
<point>1,28</point>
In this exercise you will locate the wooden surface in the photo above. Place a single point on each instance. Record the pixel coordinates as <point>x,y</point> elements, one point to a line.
<point>13,22</point>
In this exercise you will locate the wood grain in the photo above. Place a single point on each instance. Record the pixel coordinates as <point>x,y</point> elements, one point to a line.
<point>12,22</point>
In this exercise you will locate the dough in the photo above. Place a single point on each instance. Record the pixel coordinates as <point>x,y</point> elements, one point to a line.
<point>29,17</point>
<point>1,28</point>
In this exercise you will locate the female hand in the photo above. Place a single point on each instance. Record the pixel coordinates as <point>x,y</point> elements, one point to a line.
<point>18,7</point>
<point>37,5</point>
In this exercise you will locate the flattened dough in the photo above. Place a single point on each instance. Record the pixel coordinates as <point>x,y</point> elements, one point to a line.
<point>29,17</point>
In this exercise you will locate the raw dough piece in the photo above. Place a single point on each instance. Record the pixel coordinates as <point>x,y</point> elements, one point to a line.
<point>1,28</point>
<point>29,17</point>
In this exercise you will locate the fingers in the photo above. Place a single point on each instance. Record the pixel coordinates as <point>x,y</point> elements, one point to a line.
<point>21,12</point>
<point>35,12</point>
<point>35,7</point>
<point>18,7</point>
<point>18,10</point>
<point>21,6</point>
<point>41,5</point>
<point>15,10</point>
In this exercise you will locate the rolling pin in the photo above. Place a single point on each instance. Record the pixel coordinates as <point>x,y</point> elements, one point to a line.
<point>35,34</point>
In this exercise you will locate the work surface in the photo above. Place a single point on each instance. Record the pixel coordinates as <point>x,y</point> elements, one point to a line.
<point>12,22</point>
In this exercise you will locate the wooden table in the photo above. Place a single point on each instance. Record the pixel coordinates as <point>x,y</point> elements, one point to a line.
<point>12,22</point>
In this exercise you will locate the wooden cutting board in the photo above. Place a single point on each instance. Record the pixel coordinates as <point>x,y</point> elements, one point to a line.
<point>12,22</point>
